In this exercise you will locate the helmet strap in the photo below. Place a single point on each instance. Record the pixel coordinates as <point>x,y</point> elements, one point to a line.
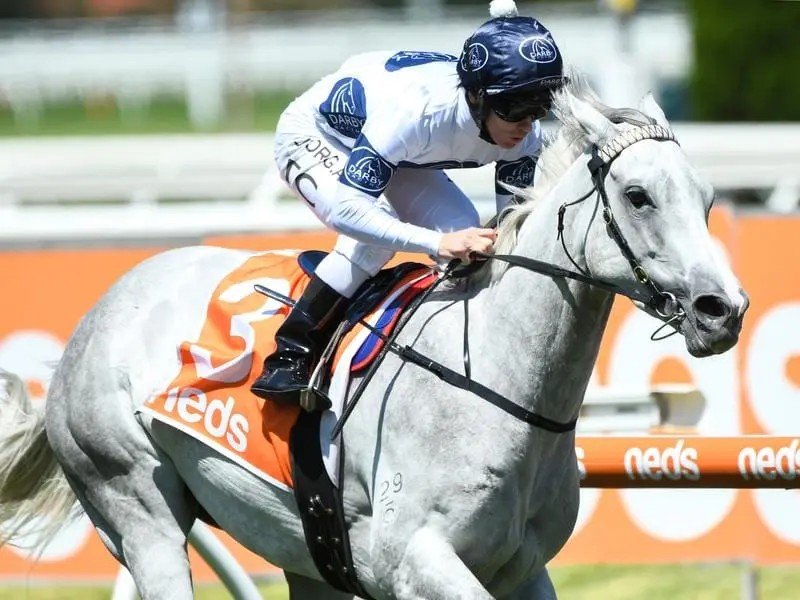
<point>479,111</point>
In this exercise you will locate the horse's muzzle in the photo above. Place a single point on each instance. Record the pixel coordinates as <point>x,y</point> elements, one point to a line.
<point>713,324</point>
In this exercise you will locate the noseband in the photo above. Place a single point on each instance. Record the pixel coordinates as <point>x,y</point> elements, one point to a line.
<point>662,303</point>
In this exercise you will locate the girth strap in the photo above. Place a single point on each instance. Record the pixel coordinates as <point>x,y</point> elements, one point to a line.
<point>460,381</point>
<point>441,371</point>
<point>321,507</point>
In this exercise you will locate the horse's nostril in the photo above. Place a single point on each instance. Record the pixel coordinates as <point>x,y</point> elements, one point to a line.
<point>713,306</point>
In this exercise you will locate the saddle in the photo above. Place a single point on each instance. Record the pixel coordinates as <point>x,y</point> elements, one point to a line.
<point>372,292</point>
<point>366,299</point>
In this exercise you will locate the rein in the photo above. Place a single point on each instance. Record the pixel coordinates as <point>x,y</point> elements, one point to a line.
<point>663,303</point>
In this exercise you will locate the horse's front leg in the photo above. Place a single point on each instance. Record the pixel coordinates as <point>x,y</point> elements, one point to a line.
<point>426,568</point>
<point>537,588</point>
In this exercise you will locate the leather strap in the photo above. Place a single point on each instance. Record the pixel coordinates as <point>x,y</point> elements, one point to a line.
<point>321,507</point>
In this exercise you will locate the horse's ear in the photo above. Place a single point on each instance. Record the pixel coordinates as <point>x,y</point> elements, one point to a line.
<point>598,129</point>
<point>650,107</point>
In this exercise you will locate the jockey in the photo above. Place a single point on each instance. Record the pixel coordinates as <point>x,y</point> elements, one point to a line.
<point>365,148</point>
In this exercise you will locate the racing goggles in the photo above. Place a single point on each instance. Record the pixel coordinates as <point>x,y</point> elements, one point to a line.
<point>513,108</point>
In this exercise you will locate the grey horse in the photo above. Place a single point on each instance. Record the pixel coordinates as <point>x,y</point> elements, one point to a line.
<point>480,501</point>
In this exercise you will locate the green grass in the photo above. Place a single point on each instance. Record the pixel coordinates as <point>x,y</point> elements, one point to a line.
<point>674,582</point>
<point>269,591</point>
<point>104,116</point>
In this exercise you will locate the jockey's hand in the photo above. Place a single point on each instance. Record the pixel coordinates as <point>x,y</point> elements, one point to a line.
<point>461,244</point>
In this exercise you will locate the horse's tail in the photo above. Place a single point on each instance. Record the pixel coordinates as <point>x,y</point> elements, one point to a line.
<point>35,498</point>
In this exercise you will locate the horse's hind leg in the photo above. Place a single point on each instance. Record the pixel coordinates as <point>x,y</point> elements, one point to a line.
<point>304,588</point>
<point>143,532</point>
<point>129,488</point>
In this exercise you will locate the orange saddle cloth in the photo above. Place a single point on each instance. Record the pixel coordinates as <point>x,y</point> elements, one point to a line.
<point>210,396</point>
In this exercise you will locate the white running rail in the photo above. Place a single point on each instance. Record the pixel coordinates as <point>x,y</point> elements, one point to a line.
<point>91,188</point>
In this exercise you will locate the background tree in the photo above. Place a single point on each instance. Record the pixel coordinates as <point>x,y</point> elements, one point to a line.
<point>746,60</point>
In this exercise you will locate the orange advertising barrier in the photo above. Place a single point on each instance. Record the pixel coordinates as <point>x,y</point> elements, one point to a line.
<point>753,390</point>
<point>689,462</point>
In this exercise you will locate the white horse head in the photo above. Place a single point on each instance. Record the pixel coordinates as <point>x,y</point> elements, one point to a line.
<point>659,201</point>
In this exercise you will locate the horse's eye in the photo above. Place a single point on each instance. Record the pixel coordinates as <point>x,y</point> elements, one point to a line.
<point>637,197</point>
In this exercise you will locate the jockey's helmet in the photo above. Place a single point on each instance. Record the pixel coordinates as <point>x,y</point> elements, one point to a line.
<point>511,64</point>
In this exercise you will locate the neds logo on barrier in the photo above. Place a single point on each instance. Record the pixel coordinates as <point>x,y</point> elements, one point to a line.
<point>673,463</point>
<point>767,463</point>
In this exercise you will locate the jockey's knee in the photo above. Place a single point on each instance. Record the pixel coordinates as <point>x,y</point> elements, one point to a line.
<point>366,257</point>
<point>351,264</point>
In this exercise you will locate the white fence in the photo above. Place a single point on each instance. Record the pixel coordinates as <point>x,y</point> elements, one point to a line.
<point>62,189</point>
<point>199,58</point>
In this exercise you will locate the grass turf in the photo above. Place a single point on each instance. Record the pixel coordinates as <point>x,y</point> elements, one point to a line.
<point>597,582</point>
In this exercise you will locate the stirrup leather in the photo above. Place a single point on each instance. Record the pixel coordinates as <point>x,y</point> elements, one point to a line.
<point>313,397</point>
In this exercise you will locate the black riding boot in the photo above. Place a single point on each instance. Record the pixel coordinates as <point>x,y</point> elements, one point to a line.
<point>301,340</point>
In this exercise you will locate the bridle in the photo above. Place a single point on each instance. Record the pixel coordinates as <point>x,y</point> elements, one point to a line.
<point>662,303</point>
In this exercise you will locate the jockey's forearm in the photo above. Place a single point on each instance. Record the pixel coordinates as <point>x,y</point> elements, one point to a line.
<point>356,215</point>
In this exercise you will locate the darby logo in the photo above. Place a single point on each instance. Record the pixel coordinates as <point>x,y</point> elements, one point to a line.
<point>218,419</point>
<point>769,463</point>
<point>518,173</point>
<point>345,108</point>
<point>672,463</point>
<point>367,171</point>
<point>538,49</point>
<point>475,58</point>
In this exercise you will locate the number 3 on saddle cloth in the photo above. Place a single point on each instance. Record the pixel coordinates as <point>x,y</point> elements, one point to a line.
<point>209,397</point>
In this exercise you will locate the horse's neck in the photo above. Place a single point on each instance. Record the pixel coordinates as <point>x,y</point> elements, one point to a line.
<point>550,330</point>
